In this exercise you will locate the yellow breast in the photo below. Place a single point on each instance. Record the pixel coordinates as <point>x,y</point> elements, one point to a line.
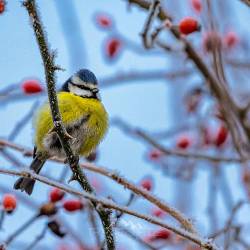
<point>72,109</point>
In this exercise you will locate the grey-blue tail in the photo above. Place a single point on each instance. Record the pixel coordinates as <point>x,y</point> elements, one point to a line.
<point>27,184</point>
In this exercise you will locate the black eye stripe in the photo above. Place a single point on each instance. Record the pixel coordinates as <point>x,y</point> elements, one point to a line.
<point>93,90</point>
<point>81,86</point>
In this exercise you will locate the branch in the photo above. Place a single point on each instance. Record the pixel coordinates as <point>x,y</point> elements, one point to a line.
<point>38,238</point>
<point>139,133</point>
<point>135,237</point>
<point>20,124</point>
<point>247,2</point>
<point>153,11</point>
<point>21,228</point>
<point>230,110</point>
<point>114,80</point>
<point>128,185</point>
<point>206,244</point>
<point>50,68</point>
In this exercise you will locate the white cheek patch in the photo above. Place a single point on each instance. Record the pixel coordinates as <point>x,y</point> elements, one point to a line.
<point>78,91</point>
<point>78,81</point>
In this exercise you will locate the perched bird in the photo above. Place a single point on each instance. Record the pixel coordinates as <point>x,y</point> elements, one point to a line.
<point>83,116</point>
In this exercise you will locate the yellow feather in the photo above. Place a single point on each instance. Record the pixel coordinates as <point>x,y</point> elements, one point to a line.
<point>72,109</point>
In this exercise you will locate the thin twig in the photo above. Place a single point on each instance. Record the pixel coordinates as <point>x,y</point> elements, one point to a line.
<point>75,235</point>
<point>228,226</point>
<point>20,124</point>
<point>38,238</point>
<point>247,2</point>
<point>94,226</point>
<point>2,216</point>
<point>205,243</point>
<point>21,229</point>
<point>129,130</point>
<point>127,184</point>
<point>136,238</point>
<point>153,12</point>
<point>239,130</point>
<point>11,158</point>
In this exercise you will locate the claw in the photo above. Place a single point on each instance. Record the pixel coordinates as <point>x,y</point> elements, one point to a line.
<point>52,130</point>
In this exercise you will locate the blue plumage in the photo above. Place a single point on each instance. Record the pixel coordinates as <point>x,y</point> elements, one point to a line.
<point>87,76</point>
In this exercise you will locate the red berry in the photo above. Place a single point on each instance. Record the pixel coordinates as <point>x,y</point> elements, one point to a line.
<point>161,234</point>
<point>155,154</point>
<point>56,194</point>
<point>113,46</point>
<point>183,142</point>
<point>32,86</point>
<point>103,21</point>
<point>221,136</point>
<point>147,183</point>
<point>230,40</point>
<point>9,202</point>
<point>188,25</point>
<point>158,212</point>
<point>2,6</point>
<point>73,205</point>
<point>197,6</point>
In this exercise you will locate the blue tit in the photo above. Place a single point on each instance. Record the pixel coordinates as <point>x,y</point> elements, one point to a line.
<point>83,116</point>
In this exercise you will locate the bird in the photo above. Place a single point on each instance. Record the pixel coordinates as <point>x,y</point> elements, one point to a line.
<point>84,117</point>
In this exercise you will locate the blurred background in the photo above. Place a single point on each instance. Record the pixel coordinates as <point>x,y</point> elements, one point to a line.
<point>157,91</point>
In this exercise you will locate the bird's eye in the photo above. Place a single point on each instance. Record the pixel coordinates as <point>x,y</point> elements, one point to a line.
<point>95,90</point>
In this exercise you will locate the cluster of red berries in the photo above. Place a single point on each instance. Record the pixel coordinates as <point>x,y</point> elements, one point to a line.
<point>183,142</point>
<point>189,25</point>
<point>113,44</point>
<point>218,138</point>
<point>9,203</point>
<point>71,205</point>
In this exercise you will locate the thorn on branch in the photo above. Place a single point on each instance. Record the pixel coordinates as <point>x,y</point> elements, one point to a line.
<point>72,178</point>
<point>153,12</point>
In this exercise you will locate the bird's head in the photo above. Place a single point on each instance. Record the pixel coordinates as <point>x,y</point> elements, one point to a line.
<point>83,83</point>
